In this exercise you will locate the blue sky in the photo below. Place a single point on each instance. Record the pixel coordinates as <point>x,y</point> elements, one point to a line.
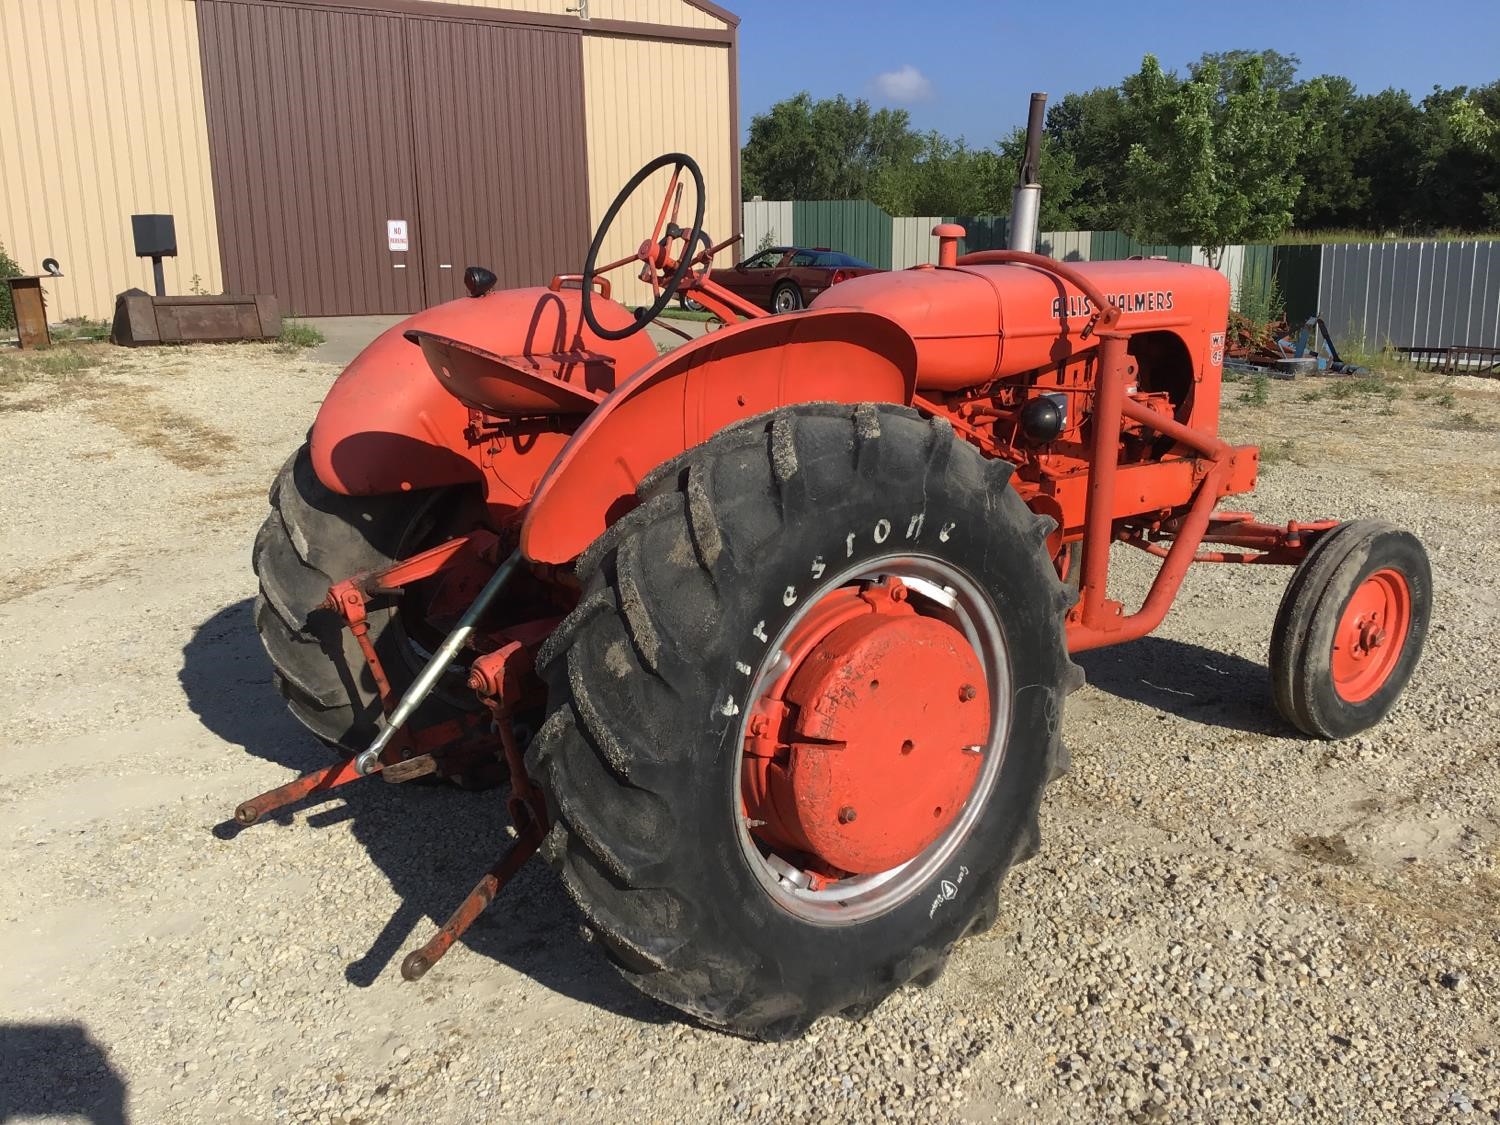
<point>967,66</point>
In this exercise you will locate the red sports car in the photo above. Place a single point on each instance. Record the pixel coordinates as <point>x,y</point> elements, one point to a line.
<point>784,278</point>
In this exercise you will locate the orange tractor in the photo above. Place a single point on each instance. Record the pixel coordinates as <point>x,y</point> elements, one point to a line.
<point>770,635</point>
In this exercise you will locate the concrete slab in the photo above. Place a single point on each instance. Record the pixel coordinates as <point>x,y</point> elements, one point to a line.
<point>666,339</point>
<point>344,337</point>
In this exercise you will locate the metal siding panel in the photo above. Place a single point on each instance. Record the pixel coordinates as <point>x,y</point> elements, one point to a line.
<point>72,72</point>
<point>1064,245</point>
<point>304,207</point>
<point>674,13</point>
<point>766,220</point>
<point>1108,246</point>
<point>1415,285</point>
<point>1342,309</point>
<point>1297,272</point>
<point>1368,293</point>
<point>694,79</point>
<point>854,226</point>
<point>1375,325</point>
<point>1256,273</point>
<point>518,203</point>
<point>1386,302</point>
<point>1352,281</point>
<point>1232,265</point>
<point>1381,293</point>
<point>912,243</point>
<point>1471,297</point>
<point>1325,282</point>
<point>1453,312</point>
<point>1484,326</point>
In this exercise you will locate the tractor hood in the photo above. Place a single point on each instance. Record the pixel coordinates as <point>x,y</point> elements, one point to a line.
<point>974,323</point>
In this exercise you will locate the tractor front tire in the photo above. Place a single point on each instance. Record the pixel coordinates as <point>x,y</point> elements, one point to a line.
<point>685,600</point>
<point>312,538</point>
<point>1350,628</point>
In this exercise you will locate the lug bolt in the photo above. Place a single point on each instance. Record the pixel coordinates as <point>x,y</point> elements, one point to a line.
<point>847,814</point>
<point>966,693</point>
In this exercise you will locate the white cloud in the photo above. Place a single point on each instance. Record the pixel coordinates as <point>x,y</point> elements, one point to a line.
<point>904,86</point>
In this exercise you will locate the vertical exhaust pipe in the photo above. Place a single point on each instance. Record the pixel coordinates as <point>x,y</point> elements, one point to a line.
<point>1026,202</point>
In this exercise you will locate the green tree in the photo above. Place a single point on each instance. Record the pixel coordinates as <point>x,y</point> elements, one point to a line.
<point>1215,158</point>
<point>8,268</point>
<point>1460,162</point>
<point>1275,71</point>
<point>1365,167</point>
<point>828,149</point>
<point>950,178</point>
<point>947,177</point>
<point>1093,133</point>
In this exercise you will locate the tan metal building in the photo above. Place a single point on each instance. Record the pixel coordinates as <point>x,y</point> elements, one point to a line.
<point>286,136</point>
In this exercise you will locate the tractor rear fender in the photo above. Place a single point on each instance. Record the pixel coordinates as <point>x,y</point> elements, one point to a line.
<point>389,425</point>
<point>688,395</point>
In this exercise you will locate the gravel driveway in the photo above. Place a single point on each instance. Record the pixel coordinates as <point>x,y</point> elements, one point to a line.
<point>1225,921</point>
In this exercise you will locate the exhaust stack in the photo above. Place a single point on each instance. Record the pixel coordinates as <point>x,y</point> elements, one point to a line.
<point>1026,201</point>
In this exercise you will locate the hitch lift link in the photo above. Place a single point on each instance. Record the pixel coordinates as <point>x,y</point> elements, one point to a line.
<point>401,755</point>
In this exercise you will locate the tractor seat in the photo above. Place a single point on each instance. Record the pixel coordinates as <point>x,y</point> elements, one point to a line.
<point>571,382</point>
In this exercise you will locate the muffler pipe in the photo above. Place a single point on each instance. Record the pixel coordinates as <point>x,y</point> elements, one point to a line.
<point>1026,201</point>
<point>369,761</point>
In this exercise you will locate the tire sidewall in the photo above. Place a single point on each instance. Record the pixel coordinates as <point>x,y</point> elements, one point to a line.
<point>966,539</point>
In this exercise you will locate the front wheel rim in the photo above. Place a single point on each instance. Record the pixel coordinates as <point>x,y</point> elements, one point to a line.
<point>1370,635</point>
<point>805,885</point>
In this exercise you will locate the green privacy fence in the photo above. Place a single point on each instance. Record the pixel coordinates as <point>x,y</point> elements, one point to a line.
<point>981,232</point>
<point>1114,245</point>
<point>1405,293</point>
<point>852,226</point>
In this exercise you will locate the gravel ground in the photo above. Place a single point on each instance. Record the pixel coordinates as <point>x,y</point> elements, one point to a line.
<point>1225,921</point>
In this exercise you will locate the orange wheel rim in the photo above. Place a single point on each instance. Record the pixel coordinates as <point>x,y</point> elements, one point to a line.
<point>1370,635</point>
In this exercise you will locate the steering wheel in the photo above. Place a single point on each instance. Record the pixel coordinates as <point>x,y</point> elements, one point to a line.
<point>653,251</point>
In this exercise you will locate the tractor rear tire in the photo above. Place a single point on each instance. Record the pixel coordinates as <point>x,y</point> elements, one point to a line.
<point>640,757</point>
<point>312,538</point>
<point>1363,579</point>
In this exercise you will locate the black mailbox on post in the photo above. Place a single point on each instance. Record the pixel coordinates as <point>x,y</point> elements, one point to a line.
<point>155,238</point>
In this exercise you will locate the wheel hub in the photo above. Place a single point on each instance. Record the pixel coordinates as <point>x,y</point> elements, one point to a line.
<point>876,739</point>
<point>1368,640</point>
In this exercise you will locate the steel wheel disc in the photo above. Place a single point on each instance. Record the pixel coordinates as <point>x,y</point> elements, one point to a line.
<point>1370,634</point>
<point>951,604</point>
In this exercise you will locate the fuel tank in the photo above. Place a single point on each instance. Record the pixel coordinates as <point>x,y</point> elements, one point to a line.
<point>973,324</point>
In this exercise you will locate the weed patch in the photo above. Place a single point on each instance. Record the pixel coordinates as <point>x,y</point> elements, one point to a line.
<point>1277,453</point>
<point>295,335</point>
<point>45,369</point>
<point>1258,393</point>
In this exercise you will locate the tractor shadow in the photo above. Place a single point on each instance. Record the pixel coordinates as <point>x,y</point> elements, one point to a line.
<point>432,842</point>
<point>58,1070</point>
<point>1204,685</point>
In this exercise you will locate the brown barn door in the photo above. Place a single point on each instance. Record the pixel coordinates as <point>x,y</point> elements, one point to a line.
<point>309,123</point>
<point>501,160</point>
